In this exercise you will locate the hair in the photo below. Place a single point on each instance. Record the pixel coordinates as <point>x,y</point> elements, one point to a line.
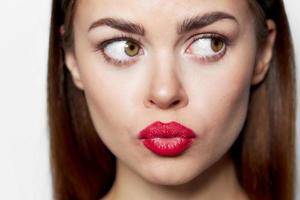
<point>264,153</point>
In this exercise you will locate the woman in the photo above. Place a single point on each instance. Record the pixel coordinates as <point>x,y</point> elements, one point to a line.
<point>171,100</point>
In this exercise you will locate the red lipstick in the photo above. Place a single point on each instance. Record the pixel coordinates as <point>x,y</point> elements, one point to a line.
<point>167,139</point>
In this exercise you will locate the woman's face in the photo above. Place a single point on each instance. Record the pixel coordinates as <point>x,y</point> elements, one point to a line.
<point>188,61</point>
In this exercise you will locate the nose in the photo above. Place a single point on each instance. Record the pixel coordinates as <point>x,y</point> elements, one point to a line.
<point>166,90</point>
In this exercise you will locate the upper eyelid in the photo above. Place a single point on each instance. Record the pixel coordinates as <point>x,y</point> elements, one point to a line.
<point>191,39</point>
<point>129,37</point>
<point>103,44</point>
<point>195,37</point>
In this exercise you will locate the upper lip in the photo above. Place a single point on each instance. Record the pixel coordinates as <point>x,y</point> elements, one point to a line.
<point>166,130</point>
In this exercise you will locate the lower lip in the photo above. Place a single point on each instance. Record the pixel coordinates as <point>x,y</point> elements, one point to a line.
<point>168,146</point>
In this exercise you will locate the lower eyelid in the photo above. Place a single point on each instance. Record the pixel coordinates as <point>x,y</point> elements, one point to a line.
<point>209,59</point>
<point>116,62</point>
<point>212,58</point>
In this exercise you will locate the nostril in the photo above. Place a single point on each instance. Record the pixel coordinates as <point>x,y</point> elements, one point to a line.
<point>175,102</point>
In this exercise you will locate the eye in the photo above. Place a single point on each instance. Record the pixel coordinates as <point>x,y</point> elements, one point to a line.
<point>120,51</point>
<point>207,47</point>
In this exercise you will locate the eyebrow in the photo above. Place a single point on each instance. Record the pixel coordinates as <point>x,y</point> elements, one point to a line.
<point>120,24</point>
<point>198,22</point>
<point>187,25</point>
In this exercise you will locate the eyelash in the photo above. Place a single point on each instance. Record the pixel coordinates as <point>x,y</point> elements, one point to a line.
<point>227,42</point>
<point>121,37</point>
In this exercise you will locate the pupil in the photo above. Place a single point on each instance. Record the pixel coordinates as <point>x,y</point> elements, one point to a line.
<point>131,47</point>
<point>217,45</point>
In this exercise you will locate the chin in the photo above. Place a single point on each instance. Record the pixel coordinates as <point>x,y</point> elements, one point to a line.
<point>171,174</point>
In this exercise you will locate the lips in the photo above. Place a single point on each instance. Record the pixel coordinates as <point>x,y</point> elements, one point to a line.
<point>167,139</point>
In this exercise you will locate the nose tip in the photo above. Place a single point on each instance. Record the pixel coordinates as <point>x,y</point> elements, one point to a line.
<point>165,102</point>
<point>168,94</point>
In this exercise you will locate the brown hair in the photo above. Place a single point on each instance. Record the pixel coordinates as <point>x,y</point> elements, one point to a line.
<point>83,168</point>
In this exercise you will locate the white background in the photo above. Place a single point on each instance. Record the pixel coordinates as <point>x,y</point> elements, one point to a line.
<point>24,166</point>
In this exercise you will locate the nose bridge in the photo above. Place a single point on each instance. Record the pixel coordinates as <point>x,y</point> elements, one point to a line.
<point>166,77</point>
<point>166,88</point>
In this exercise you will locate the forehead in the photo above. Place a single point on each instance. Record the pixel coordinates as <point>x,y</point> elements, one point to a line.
<point>155,11</point>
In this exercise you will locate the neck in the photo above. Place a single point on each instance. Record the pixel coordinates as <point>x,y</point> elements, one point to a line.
<point>218,182</point>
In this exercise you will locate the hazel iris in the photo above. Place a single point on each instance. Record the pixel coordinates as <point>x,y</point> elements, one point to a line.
<point>216,44</point>
<point>131,49</point>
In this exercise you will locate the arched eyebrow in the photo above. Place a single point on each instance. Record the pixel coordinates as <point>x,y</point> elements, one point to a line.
<point>120,24</point>
<point>198,22</point>
<point>187,25</point>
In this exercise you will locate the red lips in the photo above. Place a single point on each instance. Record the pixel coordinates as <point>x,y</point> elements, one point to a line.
<point>167,139</point>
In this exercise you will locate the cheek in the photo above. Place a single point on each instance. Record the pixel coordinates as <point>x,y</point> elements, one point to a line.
<point>221,100</point>
<point>226,105</point>
<point>110,97</point>
<point>108,102</point>
<point>108,106</point>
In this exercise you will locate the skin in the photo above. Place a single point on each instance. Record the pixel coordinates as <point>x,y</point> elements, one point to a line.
<point>165,83</point>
